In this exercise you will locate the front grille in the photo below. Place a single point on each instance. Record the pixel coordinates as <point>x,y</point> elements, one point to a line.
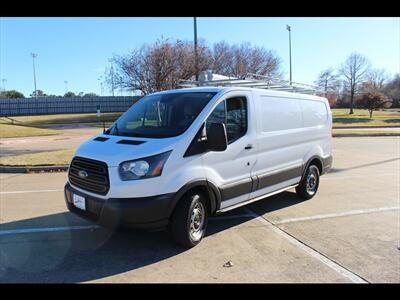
<point>97,180</point>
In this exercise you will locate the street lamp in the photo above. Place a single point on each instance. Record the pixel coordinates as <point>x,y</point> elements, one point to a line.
<point>34,72</point>
<point>112,80</point>
<point>195,48</point>
<point>4,84</point>
<point>290,51</point>
<point>101,85</point>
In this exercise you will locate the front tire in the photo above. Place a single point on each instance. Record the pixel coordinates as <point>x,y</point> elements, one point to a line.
<point>308,186</point>
<point>189,220</point>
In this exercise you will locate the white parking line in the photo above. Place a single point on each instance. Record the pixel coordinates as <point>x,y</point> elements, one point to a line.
<point>335,215</point>
<point>82,227</point>
<point>34,191</point>
<point>322,258</point>
<point>332,177</point>
<point>47,229</point>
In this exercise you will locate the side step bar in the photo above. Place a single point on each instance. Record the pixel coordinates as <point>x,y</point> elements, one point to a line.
<point>254,199</point>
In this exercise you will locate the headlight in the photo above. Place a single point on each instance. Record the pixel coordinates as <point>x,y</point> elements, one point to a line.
<point>147,167</point>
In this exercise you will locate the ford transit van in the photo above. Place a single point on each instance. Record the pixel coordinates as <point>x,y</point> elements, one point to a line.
<point>177,157</point>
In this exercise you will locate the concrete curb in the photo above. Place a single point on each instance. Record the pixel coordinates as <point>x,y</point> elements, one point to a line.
<point>364,135</point>
<point>33,169</point>
<point>364,127</point>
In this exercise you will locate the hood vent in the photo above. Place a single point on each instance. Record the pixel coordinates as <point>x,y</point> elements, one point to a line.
<point>101,139</point>
<point>130,142</point>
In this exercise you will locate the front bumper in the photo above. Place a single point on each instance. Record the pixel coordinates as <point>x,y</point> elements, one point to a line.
<point>143,213</point>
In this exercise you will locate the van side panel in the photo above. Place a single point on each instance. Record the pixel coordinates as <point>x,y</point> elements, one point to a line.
<point>289,132</point>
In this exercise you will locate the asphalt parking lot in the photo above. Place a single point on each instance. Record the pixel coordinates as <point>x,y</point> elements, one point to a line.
<point>349,232</point>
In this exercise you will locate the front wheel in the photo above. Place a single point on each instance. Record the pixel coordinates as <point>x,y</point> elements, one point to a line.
<point>189,220</point>
<point>309,184</point>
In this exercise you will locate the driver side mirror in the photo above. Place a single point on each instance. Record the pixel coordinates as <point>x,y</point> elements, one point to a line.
<point>216,137</point>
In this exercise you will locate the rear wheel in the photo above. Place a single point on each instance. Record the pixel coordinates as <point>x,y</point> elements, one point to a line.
<point>189,220</point>
<point>309,184</point>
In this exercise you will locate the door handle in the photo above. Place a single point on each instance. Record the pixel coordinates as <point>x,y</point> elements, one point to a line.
<point>248,147</point>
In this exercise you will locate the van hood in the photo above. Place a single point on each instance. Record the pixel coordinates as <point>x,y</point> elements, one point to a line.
<point>113,149</point>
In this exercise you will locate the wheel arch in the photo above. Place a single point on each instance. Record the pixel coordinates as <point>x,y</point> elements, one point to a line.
<point>313,160</point>
<point>206,187</point>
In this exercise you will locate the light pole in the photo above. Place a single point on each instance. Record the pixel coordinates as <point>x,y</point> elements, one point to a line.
<point>112,79</point>
<point>101,85</point>
<point>34,72</point>
<point>4,84</point>
<point>66,86</point>
<point>195,48</point>
<point>290,51</point>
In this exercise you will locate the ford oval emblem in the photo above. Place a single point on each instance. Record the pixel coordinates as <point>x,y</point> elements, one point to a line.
<point>83,174</point>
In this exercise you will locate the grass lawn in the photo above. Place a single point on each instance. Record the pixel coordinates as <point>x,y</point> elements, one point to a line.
<point>9,131</point>
<point>60,119</point>
<point>341,118</point>
<point>61,157</point>
<point>360,117</point>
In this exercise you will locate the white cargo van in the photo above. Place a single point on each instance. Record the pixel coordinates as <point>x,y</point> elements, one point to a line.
<point>177,157</point>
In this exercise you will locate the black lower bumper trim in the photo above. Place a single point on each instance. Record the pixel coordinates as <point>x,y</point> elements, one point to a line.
<point>141,213</point>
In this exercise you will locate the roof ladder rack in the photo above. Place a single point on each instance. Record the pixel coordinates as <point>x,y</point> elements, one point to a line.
<point>256,81</point>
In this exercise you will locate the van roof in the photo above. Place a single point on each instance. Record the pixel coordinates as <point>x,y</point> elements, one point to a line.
<point>266,92</point>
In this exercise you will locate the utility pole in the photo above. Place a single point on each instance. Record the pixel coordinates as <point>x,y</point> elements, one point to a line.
<point>66,86</point>
<point>290,51</point>
<point>34,72</point>
<point>195,48</point>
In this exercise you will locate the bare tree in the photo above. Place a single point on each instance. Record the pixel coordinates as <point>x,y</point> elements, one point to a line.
<point>161,65</point>
<point>375,80</point>
<point>327,81</point>
<point>158,67</point>
<point>222,59</point>
<point>392,90</point>
<point>354,71</point>
<point>239,60</point>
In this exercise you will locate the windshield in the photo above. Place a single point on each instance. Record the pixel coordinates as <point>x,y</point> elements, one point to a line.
<point>161,116</point>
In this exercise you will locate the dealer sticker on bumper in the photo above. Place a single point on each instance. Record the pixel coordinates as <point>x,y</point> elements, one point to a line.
<point>79,201</point>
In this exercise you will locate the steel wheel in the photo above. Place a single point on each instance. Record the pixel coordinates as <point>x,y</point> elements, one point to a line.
<point>197,221</point>
<point>311,182</point>
<point>308,186</point>
<point>189,220</point>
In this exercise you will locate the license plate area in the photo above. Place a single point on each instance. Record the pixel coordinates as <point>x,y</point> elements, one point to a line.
<point>79,201</point>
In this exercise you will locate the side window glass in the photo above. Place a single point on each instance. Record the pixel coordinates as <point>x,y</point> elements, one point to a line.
<point>217,116</point>
<point>236,112</point>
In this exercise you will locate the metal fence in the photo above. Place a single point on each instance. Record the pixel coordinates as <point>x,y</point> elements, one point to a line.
<point>59,105</point>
